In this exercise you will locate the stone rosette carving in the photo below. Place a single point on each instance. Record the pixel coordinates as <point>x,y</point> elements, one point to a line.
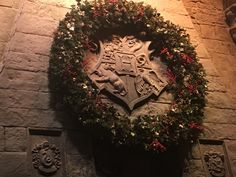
<point>230,14</point>
<point>46,158</point>
<point>124,70</point>
<point>215,163</point>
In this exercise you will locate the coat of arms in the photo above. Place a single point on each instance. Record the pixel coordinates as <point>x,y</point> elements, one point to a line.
<point>124,70</point>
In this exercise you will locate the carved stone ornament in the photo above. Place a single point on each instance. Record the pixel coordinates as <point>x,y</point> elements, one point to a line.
<point>46,158</point>
<point>124,70</point>
<point>215,163</point>
<point>230,14</point>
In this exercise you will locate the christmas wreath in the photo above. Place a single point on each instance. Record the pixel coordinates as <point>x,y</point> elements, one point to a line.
<point>186,76</point>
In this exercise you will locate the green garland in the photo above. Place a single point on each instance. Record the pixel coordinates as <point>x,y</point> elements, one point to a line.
<point>187,83</point>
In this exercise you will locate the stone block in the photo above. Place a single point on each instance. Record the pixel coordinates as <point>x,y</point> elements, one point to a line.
<point>232,49</point>
<point>1,138</point>
<point>219,100</point>
<point>31,24</point>
<point>178,19</point>
<point>28,62</point>
<point>2,47</point>
<point>195,169</point>
<point>223,48</point>
<point>31,118</point>
<point>24,99</point>
<point>195,153</point>
<point>7,3</point>
<point>209,67</point>
<point>7,16</point>
<point>17,4</point>
<point>13,164</point>
<point>212,43</point>
<point>24,80</point>
<point>32,44</point>
<point>221,62</point>
<point>219,131</point>
<point>174,6</point>
<point>208,31</point>
<point>213,115</point>
<point>216,84</point>
<point>79,166</point>
<point>222,33</point>
<point>201,51</point>
<point>231,149</point>
<point>39,9</point>
<point>4,34</point>
<point>62,3</point>
<point>15,139</point>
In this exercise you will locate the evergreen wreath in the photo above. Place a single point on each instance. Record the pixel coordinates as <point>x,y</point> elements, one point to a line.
<point>187,83</point>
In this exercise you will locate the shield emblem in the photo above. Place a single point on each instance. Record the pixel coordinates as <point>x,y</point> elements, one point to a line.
<point>124,70</point>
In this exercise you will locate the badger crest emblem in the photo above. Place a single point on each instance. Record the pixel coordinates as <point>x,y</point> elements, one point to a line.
<point>125,71</point>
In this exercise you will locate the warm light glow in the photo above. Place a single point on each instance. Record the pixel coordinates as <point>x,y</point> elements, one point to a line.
<point>63,3</point>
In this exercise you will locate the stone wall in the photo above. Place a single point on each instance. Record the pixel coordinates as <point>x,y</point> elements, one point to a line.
<point>28,117</point>
<point>209,20</point>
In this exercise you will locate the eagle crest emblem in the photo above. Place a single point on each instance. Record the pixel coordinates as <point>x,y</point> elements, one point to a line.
<point>124,70</point>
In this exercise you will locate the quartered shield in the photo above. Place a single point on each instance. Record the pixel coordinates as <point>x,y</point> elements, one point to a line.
<point>124,70</point>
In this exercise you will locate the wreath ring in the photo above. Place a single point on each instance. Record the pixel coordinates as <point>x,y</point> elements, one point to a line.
<point>187,83</point>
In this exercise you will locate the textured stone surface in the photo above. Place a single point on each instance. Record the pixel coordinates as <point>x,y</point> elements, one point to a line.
<point>15,139</point>
<point>8,3</point>
<point>80,166</point>
<point>44,10</point>
<point>1,138</point>
<point>31,117</point>
<point>24,80</point>
<point>13,164</point>
<point>78,143</point>
<point>220,100</point>
<point>219,131</point>
<point>63,3</point>
<point>215,84</point>
<point>29,62</point>
<point>195,169</point>
<point>215,115</point>
<point>231,149</point>
<point>24,99</point>
<point>32,44</point>
<point>42,26</point>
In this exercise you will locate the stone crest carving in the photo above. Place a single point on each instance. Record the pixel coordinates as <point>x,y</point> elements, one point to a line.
<point>124,70</point>
<point>46,158</point>
<point>215,163</point>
